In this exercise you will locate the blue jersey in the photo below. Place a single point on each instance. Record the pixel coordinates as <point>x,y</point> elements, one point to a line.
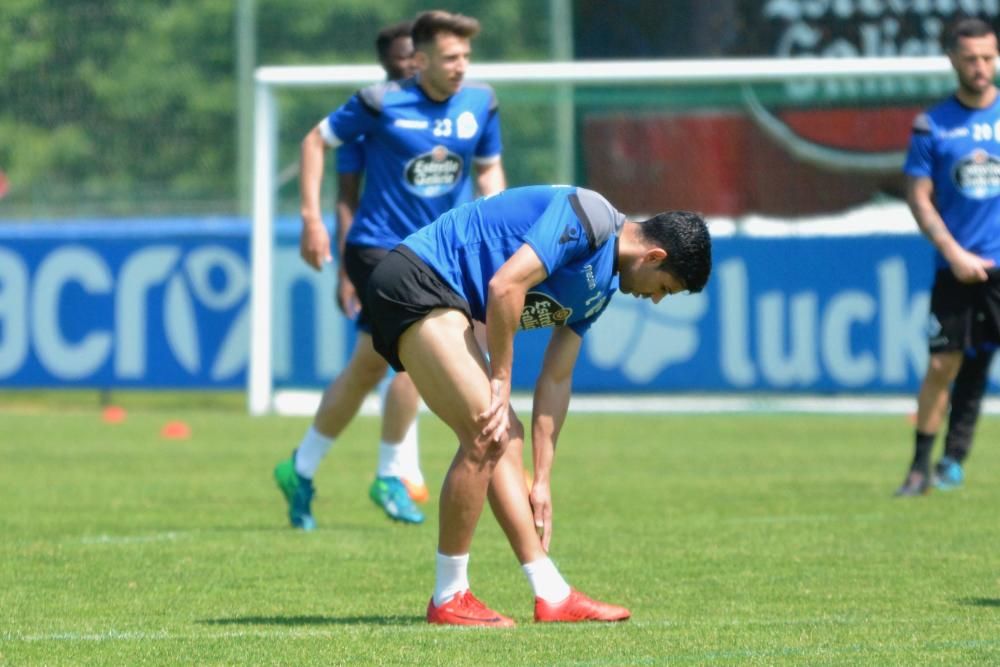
<point>418,153</point>
<point>572,230</point>
<point>351,157</point>
<point>958,148</point>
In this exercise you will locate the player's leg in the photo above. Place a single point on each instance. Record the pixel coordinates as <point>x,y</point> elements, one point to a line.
<point>399,454</point>
<point>966,404</point>
<point>389,489</point>
<point>932,403</point>
<point>448,369</point>
<point>340,403</point>
<point>511,505</point>
<point>950,333</point>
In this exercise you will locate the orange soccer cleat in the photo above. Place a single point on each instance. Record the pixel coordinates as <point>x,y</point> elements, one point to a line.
<point>418,492</point>
<point>465,609</point>
<point>578,607</point>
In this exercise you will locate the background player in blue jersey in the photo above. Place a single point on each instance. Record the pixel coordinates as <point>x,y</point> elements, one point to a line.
<point>953,190</point>
<point>422,139</point>
<point>394,48</point>
<point>395,53</point>
<point>529,257</point>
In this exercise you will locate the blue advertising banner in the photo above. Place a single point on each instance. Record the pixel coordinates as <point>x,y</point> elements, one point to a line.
<point>124,303</point>
<point>818,314</point>
<point>165,303</point>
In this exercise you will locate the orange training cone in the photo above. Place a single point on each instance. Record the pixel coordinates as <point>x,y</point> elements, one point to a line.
<point>176,430</point>
<point>113,414</point>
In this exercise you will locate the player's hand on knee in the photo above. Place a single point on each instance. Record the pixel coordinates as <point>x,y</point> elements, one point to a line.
<point>496,419</point>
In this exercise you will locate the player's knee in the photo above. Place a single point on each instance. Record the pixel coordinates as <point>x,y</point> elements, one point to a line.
<point>368,370</point>
<point>402,387</point>
<point>483,451</point>
<point>944,367</point>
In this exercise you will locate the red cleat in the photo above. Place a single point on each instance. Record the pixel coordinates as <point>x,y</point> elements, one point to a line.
<point>465,609</point>
<point>578,607</point>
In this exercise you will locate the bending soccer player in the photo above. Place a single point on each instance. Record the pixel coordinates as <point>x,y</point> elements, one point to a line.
<point>954,194</point>
<point>542,256</point>
<point>421,137</point>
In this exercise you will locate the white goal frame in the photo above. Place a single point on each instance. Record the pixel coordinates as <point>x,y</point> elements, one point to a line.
<point>260,387</point>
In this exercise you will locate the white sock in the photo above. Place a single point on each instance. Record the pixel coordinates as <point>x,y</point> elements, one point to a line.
<point>409,455</point>
<point>451,577</point>
<point>311,451</point>
<point>546,581</point>
<point>390,462</point>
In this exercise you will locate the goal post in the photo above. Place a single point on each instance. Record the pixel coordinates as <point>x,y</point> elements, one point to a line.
<point>269,80</point>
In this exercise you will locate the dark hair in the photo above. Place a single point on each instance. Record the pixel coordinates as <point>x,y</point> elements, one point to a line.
<point>684,235</point>
<point>388,35</point>
<point>966,26</point>
<point>428,25</point>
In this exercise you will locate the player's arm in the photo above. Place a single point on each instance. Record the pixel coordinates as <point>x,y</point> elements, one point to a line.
<point>967,267</point>
<point>314,240</point>
<point>490,177</point>
<point>551,401</point>
<point>348,196</point>
<point>504,303</point>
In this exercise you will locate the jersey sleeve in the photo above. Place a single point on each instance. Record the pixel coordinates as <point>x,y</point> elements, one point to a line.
<point>357,116</point>
<point>919,156</point>
<point>558,236</point>
<point>351,157</point>
<point>574,225</point>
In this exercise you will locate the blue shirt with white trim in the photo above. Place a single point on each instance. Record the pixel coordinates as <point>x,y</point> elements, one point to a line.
<point>958,148</point>
<point>418,153</point>
<point>351,157</point>
<point>573,231</point>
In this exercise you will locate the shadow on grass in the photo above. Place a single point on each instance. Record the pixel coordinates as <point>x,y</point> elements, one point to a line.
<point>315,620</point>
<point>981,602</point>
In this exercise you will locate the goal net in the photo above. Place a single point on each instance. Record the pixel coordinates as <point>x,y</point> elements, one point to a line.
<point>766,148</point>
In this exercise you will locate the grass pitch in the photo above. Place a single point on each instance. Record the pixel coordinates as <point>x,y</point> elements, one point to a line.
<point>751,539</point>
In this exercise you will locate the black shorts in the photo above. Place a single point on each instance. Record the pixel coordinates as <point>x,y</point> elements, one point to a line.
<point>359,262</point>
<point>401,291</point>
<point>964,317</point>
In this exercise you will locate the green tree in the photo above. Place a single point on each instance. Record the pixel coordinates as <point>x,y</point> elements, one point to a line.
<point>123,107</point>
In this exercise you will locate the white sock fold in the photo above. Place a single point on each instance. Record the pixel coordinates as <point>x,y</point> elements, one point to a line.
<point>409,455</point>
<point>546,581</point>
<point>311,451</point>
<point>451,577</point>
<point>390,462</point>
<point>401,459</point>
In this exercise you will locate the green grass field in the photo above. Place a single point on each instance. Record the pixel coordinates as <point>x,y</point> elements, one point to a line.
<point>748,539</point>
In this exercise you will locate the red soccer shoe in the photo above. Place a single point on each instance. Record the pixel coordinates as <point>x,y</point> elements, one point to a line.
<point>576,608</point>
<point>465,609</point>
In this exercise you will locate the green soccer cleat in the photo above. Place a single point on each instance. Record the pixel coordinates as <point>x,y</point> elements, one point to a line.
<point>298,492</point>
<point>391,495</point>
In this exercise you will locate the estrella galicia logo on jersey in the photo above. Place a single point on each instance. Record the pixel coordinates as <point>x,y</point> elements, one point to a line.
<point>977,175</point>
<point>571,233</point>
<point>433,174</point>
<point>541,310</point>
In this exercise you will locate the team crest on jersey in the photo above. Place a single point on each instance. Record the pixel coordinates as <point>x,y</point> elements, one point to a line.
<point>977,175</point>
<point>541,310</point>
<point>467,125</point>
<point>433,174</point>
